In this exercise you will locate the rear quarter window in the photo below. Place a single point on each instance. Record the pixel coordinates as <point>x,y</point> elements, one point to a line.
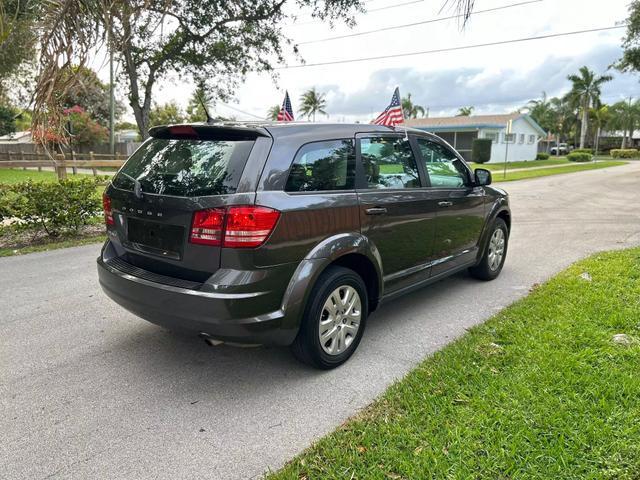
<point>186,168</point>
<point>322,166</point>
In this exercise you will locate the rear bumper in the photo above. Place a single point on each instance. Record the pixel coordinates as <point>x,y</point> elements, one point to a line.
<point>229,317</point>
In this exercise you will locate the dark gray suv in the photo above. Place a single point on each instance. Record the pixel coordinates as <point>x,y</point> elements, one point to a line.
<point>292,234</point>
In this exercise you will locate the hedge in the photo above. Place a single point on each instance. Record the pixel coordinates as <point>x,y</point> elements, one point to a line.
<point>51,207</point>
<point>583,150</point>
<point>481,150</point>
<point>542,156</point>
<point>625,153</point>
<point>579,157</point>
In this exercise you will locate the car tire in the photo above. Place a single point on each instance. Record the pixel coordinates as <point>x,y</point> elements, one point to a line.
<point>334,319</point>
<point>490,266</point>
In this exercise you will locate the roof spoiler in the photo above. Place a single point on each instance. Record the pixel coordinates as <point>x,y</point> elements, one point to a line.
<point>207,132</point>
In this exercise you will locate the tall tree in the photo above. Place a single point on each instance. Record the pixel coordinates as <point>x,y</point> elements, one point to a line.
<point>586,92</point>
<point>625,116</point>
<point>630,61</point>
<point>541,110</point>
<point>272,113</point>
<point>166,114</point>
<point>410,109</point>
<point>312,102</point>
<point>214,40</point>
<point>91,94</point>
<point>465,111</point>
<point>600,114</point>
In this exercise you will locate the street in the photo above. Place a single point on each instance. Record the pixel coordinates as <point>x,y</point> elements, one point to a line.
<point>87,390</point>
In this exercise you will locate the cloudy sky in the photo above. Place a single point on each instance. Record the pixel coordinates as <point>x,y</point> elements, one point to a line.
<point>493,78</point>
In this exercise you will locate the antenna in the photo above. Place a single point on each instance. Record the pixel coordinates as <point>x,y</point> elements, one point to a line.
<point>204,107</point>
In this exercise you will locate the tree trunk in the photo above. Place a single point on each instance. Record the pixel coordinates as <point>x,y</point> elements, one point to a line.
<point>584,124</point>
<point>596,141</point>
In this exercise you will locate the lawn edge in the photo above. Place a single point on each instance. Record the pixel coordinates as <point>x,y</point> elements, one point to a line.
<point>57,245</point>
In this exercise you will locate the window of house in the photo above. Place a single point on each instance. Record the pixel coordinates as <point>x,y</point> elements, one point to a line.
<point>532,139</point>
<point>389,163</point>
<point>321,166</point>
<point>521,140</point>
<point>509,137</point>
<point>493,136</point>
<point>444,168</point>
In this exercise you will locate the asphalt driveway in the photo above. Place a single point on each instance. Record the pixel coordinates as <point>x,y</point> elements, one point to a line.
<point>89,391</point>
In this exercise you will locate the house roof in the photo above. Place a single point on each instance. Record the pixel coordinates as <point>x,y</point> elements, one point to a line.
<point>470,122</point>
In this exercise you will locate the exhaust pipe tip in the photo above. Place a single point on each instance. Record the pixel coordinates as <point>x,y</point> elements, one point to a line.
<point>212,342</point>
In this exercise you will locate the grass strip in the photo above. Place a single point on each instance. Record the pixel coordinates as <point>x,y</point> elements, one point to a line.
<point>541,390</point>
<point>544,172</point>
<point>53,245</point>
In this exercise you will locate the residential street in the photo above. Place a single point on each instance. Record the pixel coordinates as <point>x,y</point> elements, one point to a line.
<point>87,390</point>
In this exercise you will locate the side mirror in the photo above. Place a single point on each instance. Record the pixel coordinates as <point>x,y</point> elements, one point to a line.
<point>482,177</point>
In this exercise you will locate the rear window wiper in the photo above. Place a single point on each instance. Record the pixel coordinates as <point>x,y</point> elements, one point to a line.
<point>137,186</point>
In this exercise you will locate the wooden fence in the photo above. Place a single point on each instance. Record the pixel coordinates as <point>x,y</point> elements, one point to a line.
<point>60,163</point>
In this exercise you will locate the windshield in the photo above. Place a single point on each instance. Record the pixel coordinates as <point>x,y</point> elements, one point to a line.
<point>185,168</point>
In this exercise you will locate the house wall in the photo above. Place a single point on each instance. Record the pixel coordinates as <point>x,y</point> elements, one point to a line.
<point>517,150</point>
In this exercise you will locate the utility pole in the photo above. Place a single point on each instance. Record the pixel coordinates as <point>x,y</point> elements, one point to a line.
<point>112,101</point>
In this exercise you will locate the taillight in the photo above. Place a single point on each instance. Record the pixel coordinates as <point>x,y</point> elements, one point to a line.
<point>206,228</point>
<point>236,227</point>
<point>249,226</point>
<point>106,206</point>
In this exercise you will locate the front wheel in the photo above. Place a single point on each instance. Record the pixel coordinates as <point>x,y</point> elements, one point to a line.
<point>494,254</point>
<point>334,319</point>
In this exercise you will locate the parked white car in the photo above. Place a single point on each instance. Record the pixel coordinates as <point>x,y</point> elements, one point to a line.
<point>562,147</point>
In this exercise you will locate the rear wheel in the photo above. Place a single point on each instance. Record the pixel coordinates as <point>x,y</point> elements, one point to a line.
<point>495,252</point>
<point>334,319</point>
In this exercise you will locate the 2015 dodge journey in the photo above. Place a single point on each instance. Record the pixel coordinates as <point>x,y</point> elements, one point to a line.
<point>292,233</point>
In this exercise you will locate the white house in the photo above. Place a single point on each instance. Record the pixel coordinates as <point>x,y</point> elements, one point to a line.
<point>520,144</point>
<point>16,138</point>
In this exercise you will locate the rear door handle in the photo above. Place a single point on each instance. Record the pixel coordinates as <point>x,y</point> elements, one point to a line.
<point>376,211</point>
<point>445,204</point>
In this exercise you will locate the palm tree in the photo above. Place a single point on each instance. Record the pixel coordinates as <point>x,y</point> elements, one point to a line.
<point>541,110</point>
<point>465,111</point>
<point>410,110</point>
<point>312,102</point>
<point>600,115</point>
<point>625,115</point>
<point>586,92</point>
<point>272,113</point>
<point>562,118</point>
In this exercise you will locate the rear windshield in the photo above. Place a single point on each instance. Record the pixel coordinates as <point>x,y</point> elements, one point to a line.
<point>186,168</point>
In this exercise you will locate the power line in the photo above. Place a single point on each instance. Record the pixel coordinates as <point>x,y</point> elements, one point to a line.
<point>406,25</point>
<point>365,12</point>
<point>449,49</point>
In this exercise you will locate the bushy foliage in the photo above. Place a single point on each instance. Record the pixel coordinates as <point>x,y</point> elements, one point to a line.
<point>542,156</point>
<point>51,207</point>
<point>481,150</point>
<point>625,153</point>
<point>579,157</point>
<point>583,150</point>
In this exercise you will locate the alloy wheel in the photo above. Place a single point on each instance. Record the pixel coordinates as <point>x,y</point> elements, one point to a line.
<point>340,320</point>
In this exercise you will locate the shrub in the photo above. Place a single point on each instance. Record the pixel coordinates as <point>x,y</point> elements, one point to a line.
<point>579,157</point>
<point>583,150</point>
<point>52,207</point>
<point>625,153</point>
<point>481,150</point>
<point>542,156</point>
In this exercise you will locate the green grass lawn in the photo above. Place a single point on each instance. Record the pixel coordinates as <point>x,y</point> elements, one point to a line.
<point>543,172</point>
<point>14,175</point>
<point>53,245</point>
<point>499,166</point>
<point>540,390</point>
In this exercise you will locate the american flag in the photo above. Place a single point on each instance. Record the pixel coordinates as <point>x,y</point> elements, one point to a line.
<point>286,111</point>
<point>392,115</point>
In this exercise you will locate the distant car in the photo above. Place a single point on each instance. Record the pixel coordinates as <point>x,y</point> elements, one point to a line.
<point>562,147</point>
<point>290,234</point>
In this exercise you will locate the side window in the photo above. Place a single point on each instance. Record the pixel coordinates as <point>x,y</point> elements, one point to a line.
<point>322,166</point>
<point>389,163</point>
<point>444,168</point>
